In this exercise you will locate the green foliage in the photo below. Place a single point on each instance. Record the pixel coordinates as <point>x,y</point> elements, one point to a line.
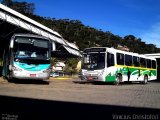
<point>71,65</point>
<point>54,61</point>
<point>8,3</point>
<point>138,46</point>
<point>85,36</point>
<point>22,7</point>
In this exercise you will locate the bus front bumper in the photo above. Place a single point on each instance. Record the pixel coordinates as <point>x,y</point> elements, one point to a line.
<point>91,78</point>
<point>31,75</point>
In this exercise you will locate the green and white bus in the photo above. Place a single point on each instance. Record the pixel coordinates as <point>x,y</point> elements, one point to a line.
<point>112,65</point>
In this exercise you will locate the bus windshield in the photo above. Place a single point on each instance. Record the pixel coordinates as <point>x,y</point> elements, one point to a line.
<point>31,48</point>
<point>93,61</point>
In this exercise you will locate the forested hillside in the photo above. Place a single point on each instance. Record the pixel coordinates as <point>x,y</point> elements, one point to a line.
<point>84,36</point>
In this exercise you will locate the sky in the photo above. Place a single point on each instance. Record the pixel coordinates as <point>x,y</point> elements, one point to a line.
<point>140,18</point>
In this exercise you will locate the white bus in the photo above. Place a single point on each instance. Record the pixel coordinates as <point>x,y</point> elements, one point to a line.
<point>112,65</point>
<point>27,57</point>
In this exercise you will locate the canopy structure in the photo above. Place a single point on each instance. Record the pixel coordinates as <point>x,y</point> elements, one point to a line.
<point>13,22</point>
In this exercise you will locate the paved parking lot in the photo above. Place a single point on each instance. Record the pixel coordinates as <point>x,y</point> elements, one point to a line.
<point>125,95</point>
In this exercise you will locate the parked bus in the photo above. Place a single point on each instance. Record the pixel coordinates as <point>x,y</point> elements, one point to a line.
<point>112,65</point>
<point>27,57</point>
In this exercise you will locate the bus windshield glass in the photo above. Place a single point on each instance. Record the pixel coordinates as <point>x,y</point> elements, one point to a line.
<point>94,61</point>
<point>31,48</point>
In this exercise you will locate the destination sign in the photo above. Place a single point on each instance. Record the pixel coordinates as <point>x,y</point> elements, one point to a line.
<point>95,50</point>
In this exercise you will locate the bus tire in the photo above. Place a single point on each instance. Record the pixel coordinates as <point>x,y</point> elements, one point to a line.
<point>145,81</point>
<point>9,77</point>
<point>118,79</point>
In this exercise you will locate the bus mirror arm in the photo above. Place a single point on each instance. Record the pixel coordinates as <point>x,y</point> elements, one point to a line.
<point>12,43</point>
<point>10,67</point>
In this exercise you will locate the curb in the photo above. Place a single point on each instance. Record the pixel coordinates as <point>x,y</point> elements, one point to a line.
<point>62,78</point>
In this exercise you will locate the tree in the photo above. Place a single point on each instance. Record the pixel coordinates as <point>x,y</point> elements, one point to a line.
<point>22,7</point>
<point>130,37</point>
<point>7,2</point>
<point>71,65</point>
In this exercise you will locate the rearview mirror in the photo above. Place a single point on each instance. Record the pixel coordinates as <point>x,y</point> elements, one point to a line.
<point>12,43</point>
<point>53,46</point>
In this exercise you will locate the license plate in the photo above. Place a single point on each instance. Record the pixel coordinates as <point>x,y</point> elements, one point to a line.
<point>32,75</point>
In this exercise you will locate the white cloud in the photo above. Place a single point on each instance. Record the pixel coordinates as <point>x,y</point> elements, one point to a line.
<point>153,35</point>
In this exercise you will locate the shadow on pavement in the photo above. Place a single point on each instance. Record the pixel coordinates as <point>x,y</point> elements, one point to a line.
<point>105,83</point>
<point>155,81</point>
<point>28,109</point>
<point>111,83</point>
<point>23,81</point>
<point>92,82</point>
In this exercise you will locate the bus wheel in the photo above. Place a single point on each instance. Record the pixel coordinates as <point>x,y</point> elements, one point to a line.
<point>118,79</point>
<point>145,81</point>
<point>9,77</point>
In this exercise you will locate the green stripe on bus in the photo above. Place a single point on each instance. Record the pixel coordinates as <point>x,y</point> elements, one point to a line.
<point>110,78</point>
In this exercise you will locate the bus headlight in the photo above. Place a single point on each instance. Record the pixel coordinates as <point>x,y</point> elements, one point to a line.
<point>47,71</point>
<point>16,69</point>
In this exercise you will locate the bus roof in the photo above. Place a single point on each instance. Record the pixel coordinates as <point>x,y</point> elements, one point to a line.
<point>29,35</point>
<point>107,49</point>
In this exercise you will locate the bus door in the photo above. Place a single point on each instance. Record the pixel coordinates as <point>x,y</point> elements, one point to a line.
<point>136,72</point>
<point>111,69</point>
<point>5,69</point>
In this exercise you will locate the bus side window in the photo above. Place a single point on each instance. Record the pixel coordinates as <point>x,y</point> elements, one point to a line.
<point>148,63</point>
<point>120,59</point>
<point>153,64</point>
<point>110,59</point>
<point>143,62</point>
<point>136,61</point>
<point>128,60</point>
